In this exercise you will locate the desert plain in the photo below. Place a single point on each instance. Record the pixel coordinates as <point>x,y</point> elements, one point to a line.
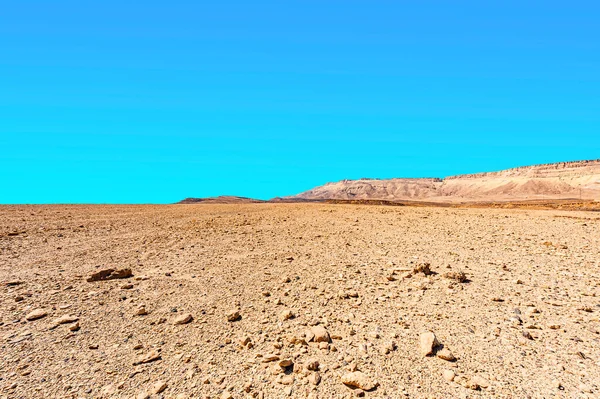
<point>298,300</point>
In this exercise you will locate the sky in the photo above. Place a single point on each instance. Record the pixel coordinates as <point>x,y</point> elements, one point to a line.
<point>154,101</point>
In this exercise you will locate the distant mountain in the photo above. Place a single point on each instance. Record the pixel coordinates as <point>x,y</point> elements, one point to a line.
<point>563,180</point>
<point>222,199</point>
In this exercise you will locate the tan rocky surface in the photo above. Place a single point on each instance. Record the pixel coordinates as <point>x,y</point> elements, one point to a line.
<point>563,180</point>
<point>321,292</point>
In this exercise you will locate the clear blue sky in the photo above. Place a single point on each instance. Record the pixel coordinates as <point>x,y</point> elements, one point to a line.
<point>153,101</point>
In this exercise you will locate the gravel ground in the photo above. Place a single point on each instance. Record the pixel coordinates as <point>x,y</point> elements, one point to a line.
<point>298,300</point>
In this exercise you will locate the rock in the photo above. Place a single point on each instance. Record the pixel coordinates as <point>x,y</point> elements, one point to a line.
<point>147,358</point>
<point>141,311</point>
<point>270,358</point>
<point>424,268</point>
<point>314,378</point>
<point>286,315</point>
<point>287,379</point>
<point>226,395</point>
<point>449,375</point>
<point>482,382</point>
<point>427,342</point>
<point>143,395</point>
<point>312,364</point>
<point>527,335</point>
<point>320,333</point>
<point>285,363</point>
<point>36,314</point>
<point>233,316</point>
<point>110,274</point>
<point>359,380</point>
<point>66,319</point>
<point>389,347</point>
<point>183,318</point>
<point>459,276</point>
<point>445,354</point>
<point>74,327</point>
<point>158,387</point>
<point>127,286</point>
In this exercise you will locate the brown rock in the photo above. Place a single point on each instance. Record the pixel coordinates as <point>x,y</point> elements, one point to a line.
<point>233,316</point>
<point>320,333</point>
<point>110,274</point>
<point>147,358</point>
<point>360,380</point>
<point>158,387</point>
<point>183,318</point>
<point>314,378</point>
<point>427,342</point>
<point>36,314</point>
<point>445,354</point>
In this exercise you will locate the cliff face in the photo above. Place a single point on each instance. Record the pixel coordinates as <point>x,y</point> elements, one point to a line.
<point>562,180</point>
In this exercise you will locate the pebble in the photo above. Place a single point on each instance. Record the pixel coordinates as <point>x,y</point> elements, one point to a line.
<point>36,314</point>
<point>312,364</point>
<point>449,375</point>
<point>314,378</point>
<point>233,316</point>
<point>109,274</point>
<point>286,315</point>
<point>320,334</point>
<point>359,380</point>
<point>158,387</point>
<point>183,318</point>
<point>482,382</point>
<point>445,354</point>
<point>147,358</point>
<point>66,319</point>
<point>141,311</point>
<point>427,342</point>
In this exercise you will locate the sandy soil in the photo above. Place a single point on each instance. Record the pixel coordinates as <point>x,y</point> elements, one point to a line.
<point>524,323</point>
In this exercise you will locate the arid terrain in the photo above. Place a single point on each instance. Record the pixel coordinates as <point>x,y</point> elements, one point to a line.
<point>298,300</point>
<point>556,181</point>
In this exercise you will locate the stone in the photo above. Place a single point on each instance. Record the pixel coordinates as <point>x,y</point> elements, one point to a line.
<point>424,268</point>
<point>459,276</point>
<point>36,314</point>
<point>147,358</point>
<point>314,378</point>
<point>110,274</point>
<point>158,387</point>
<point>233,316</point>
<point>127,286</point>
<point>66,319</point>
<point>482,382</point>
<point>312,364</point>
<point>285,363</point>
<point>320,333</point>
<point>141,311</point>
<point>270,358</point>
<point>183,318</point>
<point>74,327</point>
<point>286,315</point>
<point>445,354</point>
<point>287,379</point>
<point>358,379</point>
<point>449,375</point>
<point>427,342</point>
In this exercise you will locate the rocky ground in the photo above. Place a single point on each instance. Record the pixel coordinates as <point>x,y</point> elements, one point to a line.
<point>298,300</point>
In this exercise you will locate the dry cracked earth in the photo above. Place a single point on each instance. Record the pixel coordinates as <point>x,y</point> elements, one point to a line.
<point>298,300</point>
